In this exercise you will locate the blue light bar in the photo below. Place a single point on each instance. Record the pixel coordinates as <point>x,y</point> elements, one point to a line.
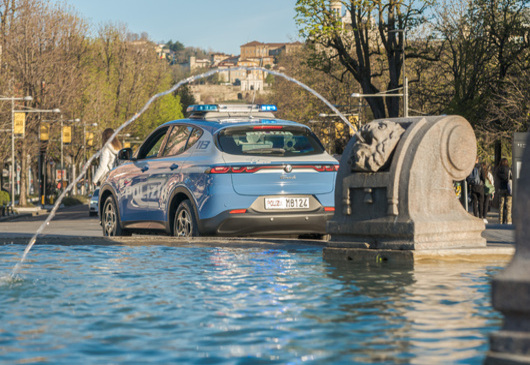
<point>203,108</point>
<point>268,108</point>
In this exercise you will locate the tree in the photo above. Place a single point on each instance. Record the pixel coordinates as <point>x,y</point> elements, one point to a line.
<point>175,46</point>
<point>186,97</point>
<point>481,51</point>
<point>369,46</point>
<point>163,110</point>
<point>44,46</point>
<point>295,103</point>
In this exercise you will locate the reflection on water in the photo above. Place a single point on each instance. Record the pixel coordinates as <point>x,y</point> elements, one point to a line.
<point>112,304</point>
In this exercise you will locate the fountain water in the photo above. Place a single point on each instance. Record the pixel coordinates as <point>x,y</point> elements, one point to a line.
<point>128,122</point>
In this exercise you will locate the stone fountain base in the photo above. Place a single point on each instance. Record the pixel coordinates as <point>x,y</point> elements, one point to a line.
<point>337,251</point>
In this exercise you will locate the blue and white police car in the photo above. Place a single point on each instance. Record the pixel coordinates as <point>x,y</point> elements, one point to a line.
<point>231,170</point>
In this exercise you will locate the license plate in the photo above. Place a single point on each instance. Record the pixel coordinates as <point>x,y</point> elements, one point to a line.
<point>286,203</point>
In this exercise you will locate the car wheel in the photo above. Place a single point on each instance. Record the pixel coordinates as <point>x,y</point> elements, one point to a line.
<point>110,220</point>
<point>185,224</point>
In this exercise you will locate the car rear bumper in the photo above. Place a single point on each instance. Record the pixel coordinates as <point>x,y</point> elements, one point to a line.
<point>250,224</point>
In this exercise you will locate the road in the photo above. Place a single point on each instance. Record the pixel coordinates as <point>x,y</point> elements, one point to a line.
<point>74,222</point>
<point>70,221</point>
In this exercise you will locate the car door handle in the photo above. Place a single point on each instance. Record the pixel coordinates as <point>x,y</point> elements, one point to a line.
<point>173,167</point>
<point>145,168</point>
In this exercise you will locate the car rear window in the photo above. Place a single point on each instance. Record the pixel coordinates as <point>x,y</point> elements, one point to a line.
<point>269,140</point>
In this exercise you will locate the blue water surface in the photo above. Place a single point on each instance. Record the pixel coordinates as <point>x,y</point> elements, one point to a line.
<point>205,305</point>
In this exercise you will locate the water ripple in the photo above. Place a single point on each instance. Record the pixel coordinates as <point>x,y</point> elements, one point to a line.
<point>113,304</point>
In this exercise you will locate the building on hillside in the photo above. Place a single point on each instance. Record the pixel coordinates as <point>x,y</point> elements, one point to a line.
<point>163,52</point>
<point>217,58</point>
<point>248,80</point>
<point>228,75</point>
<point>195,64</point>
<point>265,53</point>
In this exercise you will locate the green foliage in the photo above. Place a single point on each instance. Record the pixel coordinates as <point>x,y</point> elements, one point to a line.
<point>163,110</point>
<point>4,197</point>
<point>186,97</point>
<point>175,46</point>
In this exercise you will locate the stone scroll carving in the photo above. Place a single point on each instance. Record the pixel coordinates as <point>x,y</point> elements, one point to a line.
<point>374,144</point>
<point>394,188</point>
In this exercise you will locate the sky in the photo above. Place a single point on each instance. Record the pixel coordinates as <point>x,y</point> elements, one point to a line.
<point>218,25</point>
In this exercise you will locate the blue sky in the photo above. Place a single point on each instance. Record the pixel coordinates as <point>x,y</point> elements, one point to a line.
<point>210,24</point>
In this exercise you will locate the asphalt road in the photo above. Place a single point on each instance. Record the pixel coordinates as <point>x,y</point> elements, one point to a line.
<point>70,221</point>
<point>74,222</point>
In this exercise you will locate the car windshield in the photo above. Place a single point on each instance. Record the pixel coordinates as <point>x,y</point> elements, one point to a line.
<point>274,140</point>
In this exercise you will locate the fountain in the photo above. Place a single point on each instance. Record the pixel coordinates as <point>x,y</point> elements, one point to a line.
<point>394,195</point>
<point>384,212</point>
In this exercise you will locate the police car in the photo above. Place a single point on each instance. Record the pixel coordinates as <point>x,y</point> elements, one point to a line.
<point>231,170</point>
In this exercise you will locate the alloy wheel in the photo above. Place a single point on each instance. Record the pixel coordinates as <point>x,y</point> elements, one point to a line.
<point>184,224</point>
<point>110,219</point>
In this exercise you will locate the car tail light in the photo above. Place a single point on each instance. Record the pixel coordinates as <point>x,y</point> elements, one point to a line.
<point>218,170</point>
<point>252,169</point>
<point>322,168</point>
<point>238,211</point>
<point>329,209</point>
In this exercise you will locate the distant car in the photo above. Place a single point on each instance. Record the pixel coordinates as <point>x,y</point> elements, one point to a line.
<point>93,204</point>
<point>232,170</point>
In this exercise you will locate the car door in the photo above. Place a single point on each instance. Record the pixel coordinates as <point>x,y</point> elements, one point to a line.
<point>168,167</point>
<point>142,188</point>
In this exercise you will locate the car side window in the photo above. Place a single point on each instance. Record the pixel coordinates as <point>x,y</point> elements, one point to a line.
<point>177,139</point>
<point>194,137</point>
<point>152,145</point>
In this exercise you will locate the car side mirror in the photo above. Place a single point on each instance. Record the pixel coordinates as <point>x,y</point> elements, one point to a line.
<point>125,154</point>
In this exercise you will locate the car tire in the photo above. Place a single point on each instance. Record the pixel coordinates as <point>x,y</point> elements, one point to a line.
<point>110,219</point>
<point>185,224</point>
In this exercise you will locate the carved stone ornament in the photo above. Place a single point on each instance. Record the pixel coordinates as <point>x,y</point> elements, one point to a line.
<point>406,200</point>
<point>374,144</point>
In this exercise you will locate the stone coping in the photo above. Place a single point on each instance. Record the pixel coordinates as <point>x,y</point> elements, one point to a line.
<point>492,252</point>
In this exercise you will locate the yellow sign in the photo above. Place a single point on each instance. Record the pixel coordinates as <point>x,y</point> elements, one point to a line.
<point>44,132</point>
<point>19,123</point>
<point>89,139</point>
<point>67,134</point>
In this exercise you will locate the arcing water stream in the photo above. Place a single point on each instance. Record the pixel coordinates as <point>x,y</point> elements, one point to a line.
<point>16,269</point>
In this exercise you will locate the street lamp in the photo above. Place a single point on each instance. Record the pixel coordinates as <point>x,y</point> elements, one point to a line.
<point>405,80</point>
<point>12,99</point>
<point>381,94</point>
